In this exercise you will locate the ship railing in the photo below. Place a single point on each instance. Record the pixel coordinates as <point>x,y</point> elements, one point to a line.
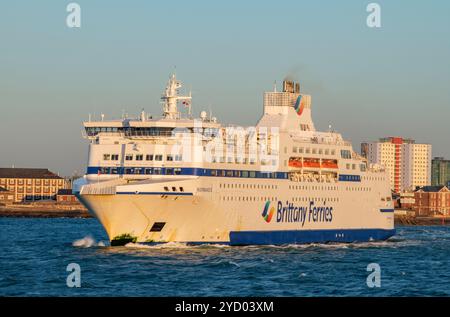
<point>102,188</point>
<point>146,134</point>
<point>317,141</point>
<point>87,135</point>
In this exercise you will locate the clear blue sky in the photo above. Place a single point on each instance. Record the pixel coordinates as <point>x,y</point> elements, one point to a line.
<point>367,83</point>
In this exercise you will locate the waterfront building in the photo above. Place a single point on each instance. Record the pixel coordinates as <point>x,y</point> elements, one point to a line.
<point>6,197</point>
<point>66,196</point>
<point>432,200</point>
<point>406,200</point>
<point>440,172</point>
<point>408,162</point>
<point>31,184</point>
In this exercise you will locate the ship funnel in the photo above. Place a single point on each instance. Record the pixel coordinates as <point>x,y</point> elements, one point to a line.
<point>291,86</point>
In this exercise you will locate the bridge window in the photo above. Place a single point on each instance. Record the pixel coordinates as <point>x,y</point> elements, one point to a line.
<point>346,154</point>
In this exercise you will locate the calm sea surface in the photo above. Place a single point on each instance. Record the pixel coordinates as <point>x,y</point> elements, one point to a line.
<point>35,254</point>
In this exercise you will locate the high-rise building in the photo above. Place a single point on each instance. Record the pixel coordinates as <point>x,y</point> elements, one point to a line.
<point>408,162</point>
<point>440,172</point>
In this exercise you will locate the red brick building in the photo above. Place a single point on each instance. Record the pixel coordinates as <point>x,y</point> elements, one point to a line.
<point>432,201</point>
<point>66,196</point>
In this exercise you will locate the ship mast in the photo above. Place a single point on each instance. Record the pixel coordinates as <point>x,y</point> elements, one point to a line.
<point>171,98</point>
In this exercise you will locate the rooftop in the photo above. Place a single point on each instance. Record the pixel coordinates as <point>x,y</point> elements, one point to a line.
<point>431,189</point>
<point>41,173</point>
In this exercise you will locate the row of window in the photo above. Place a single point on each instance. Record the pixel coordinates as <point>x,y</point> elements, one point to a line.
<point>140,171</point>
<point>243,174</point>
<point>140,157</point>
<point>265,198</point>
<point>304,187</point>
<point>35,189</point>
<point>248,186</point>
<point>358,189</point>
<point>308,150</point>
<point>37,182</point>
<point>372,178</point>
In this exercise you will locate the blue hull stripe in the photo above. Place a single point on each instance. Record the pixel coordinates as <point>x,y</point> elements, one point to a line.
<point>196,171</point>
<point>308,236</point>
<point>387,210</point>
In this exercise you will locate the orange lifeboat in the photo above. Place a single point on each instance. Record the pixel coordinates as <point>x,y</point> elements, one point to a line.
<point>311,162</point>
<point>329,164</point>
<point>295,162</point>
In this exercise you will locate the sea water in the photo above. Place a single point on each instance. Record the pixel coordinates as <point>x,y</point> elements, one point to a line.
<point>35,255</point>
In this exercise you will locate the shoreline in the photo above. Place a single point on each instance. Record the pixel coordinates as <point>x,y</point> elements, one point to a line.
<point>421,221</point>
<point>44,212</point>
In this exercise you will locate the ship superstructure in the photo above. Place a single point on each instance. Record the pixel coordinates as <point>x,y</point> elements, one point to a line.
<point>180,179</point>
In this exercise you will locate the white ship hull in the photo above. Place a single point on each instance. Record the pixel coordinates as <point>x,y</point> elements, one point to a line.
<point>204,216</point>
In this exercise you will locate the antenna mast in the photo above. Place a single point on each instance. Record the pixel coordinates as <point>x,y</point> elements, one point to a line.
<point>171,98</point>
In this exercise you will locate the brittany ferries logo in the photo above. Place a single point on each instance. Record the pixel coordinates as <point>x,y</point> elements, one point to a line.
<point>289,212</point>
<point>268,214</point>
<point>299,105</point>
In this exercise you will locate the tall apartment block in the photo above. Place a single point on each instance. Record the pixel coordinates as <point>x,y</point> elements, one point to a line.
<point>440,172</point>
<point>408,162</point>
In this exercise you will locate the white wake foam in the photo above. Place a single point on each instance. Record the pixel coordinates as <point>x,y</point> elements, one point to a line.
<point>87,242</point>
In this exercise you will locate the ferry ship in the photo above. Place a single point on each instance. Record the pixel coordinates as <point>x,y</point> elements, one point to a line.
<point>177,178</point>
